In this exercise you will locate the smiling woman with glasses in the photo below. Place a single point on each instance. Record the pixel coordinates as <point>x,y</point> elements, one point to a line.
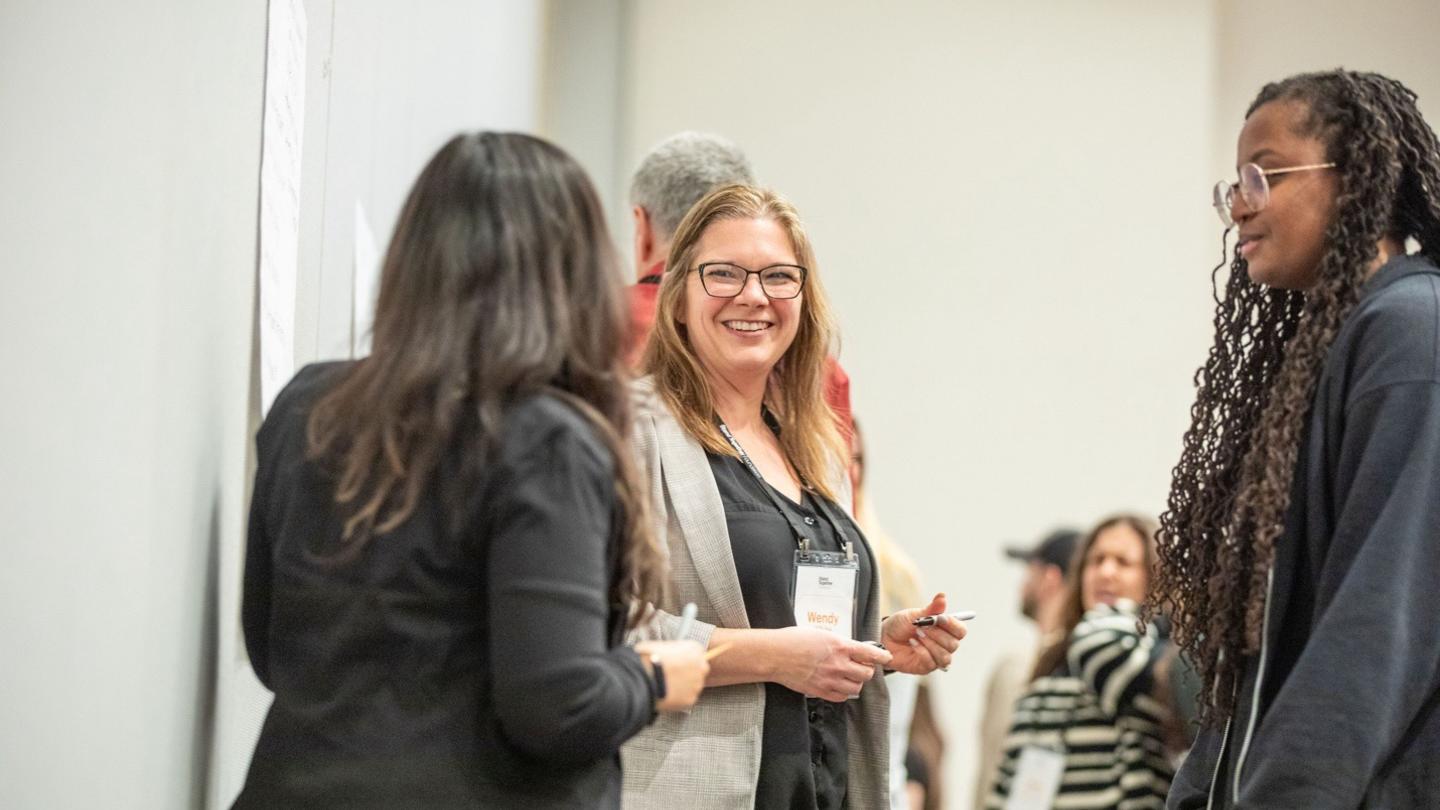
<point>749,473</point>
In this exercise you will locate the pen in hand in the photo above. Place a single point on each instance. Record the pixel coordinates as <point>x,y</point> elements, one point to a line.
<point>716,650</point>
<point>687,619</point>
<point>959,616</point>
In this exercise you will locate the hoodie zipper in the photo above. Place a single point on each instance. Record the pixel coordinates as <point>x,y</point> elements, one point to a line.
<point>1259,680</point>
<point>1219,760</point>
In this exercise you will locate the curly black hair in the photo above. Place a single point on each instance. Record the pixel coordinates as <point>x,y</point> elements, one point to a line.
<point>1230,491</point>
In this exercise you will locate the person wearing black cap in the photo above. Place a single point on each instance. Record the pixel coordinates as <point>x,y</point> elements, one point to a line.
<point>1042,595</point>
<point>1048,562</point>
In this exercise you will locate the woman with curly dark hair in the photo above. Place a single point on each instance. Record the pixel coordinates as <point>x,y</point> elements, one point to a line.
<point>1303,530</point>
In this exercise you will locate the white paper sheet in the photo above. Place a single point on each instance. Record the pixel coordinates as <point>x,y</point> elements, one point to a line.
<point>365,283</point>
<point>280,153</point>
<point>241,701</point>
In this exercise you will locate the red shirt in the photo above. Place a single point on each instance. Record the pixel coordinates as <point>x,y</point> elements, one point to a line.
<point>644,296</point>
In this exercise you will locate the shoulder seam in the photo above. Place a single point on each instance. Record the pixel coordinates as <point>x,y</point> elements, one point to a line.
<point>1369,392</point>
<point>1435,336</point>
<point>565,425</point>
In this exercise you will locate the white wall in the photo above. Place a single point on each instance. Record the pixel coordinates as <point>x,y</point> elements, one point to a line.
<point>130,163</point>
<point>388,85</point>
<point>1009,203</point>
<point>129,159</point>
<point>584,97</point>
<point>1263,42</point>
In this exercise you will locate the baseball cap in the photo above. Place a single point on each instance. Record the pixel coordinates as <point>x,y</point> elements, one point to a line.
<point>1055,548</point>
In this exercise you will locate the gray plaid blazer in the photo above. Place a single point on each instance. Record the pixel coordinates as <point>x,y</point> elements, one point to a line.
<point>709,758</point>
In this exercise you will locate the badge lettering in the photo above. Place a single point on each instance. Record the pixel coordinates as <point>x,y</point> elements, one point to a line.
<point>831,620</point>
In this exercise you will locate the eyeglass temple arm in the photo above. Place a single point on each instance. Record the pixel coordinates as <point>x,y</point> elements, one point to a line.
<point>1289,169</point>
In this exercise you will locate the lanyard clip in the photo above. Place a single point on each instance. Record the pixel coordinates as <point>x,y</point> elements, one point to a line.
<point>849,551</point>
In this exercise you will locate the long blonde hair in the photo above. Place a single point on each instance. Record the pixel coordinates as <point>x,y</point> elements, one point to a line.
<point>795,391</point>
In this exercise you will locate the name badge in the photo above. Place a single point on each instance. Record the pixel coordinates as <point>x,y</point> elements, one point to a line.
<point>825,587</point>
<point>1037,779</point>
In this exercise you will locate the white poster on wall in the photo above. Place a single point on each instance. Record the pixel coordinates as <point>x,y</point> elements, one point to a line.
<point>366,284</point>
<point>241,701</point>
<point>280,152</point>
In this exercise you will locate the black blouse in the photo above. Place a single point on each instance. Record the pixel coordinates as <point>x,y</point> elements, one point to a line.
<point>803,758</point>
<point>454,663</point>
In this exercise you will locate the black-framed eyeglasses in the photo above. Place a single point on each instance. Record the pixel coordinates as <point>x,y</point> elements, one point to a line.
<point>1253,187</point>
<point>726,280</point>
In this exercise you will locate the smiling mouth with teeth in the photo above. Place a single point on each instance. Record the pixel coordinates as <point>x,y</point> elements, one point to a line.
<point>747,326</point>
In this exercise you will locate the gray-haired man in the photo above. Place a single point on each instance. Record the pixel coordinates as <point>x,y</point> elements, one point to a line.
<point>673,176</point>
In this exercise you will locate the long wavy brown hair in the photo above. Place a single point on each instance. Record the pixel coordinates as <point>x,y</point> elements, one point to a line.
<point>1230,492</point>
<point>1074,607</point>
<point>499,284</point>
<point>796,391</point>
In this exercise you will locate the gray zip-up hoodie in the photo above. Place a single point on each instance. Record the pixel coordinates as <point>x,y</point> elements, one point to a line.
<point>1341,708</point>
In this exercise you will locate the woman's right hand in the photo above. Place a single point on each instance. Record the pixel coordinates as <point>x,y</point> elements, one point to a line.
<point>685,671</point>
<point>818,663</point>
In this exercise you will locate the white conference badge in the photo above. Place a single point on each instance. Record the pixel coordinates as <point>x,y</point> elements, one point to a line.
<point>1037,779</point>
<point>825,588</point>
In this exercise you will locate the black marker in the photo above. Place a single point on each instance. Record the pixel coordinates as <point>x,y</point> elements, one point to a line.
<point>961,616</point>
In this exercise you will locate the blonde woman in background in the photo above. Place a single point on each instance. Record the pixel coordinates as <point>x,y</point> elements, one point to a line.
<point>899,586</point>
<point>747,469</point>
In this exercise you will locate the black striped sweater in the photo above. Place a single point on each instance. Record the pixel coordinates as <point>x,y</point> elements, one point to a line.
<point>1096,710</point>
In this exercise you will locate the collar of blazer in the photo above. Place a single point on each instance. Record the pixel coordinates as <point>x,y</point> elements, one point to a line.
<point>690,494</point>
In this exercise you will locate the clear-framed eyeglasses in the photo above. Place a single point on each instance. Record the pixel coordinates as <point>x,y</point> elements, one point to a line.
<point>726,280</point>
<point>1253,187</point>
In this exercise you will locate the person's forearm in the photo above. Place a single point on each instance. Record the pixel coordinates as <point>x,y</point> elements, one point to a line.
<point>753,656</point>
<point>574,710</point>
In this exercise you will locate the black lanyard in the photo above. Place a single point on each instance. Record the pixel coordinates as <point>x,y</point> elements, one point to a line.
<point>802,541</point>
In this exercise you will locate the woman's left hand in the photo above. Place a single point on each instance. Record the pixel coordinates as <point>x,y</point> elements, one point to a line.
<point>921,650</point>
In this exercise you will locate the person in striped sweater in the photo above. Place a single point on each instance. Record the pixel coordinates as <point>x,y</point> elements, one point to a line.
<point>1091,730</point>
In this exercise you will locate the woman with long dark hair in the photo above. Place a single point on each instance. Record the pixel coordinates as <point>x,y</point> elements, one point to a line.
<point>1090,730</point>
<point>445,536</point>
<point>1302,540</point>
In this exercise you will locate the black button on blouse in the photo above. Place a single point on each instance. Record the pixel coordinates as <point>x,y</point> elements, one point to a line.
<point>803,758</point>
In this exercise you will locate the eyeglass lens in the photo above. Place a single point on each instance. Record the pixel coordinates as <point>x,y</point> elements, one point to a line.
<point>727,280</point>
<point>1254,190</point>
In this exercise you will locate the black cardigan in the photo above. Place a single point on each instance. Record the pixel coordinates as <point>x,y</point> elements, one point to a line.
<point>441,668</point>
<point>1342,709</point>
